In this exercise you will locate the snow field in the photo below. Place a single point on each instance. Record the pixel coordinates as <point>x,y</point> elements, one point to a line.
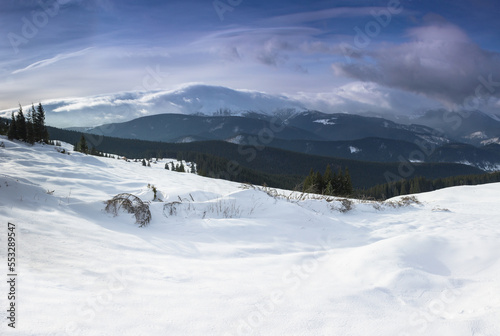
<point>235,261</point>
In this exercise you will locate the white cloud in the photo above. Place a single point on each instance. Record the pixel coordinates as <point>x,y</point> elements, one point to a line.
<point>49,61</point>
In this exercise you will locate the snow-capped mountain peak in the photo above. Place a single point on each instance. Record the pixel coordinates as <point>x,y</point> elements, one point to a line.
<point>188,99</point>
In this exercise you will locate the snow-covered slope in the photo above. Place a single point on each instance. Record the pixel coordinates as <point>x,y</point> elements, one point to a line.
<point>189,99</point>
<point>222,259</point>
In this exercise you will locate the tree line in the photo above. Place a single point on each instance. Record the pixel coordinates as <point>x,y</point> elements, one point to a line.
<point>30,128</point>
<point>332,184</point>
<point>421,184</point>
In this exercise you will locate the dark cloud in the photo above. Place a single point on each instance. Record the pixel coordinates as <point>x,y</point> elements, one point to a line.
<point>440,62</point>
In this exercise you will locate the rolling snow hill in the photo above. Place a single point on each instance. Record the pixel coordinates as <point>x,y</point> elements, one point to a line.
<point>219,258</point>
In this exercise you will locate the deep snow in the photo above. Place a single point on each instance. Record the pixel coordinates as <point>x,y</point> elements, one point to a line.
<point>232,260</point>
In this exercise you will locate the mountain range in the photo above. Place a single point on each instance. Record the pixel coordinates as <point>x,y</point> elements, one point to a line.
<point>333,135</point>
<point>195,113</point>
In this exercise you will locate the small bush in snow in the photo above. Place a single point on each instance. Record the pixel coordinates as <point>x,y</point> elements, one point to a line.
<point>155,193</point>
<point>441,210</point>
<point>346,205</point>
<point>403,202</point>
<point>132,204</point>
<point>170,208</point>
<point>408,200</point>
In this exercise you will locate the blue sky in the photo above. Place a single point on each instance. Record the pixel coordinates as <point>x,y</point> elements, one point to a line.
<point>336,55</point>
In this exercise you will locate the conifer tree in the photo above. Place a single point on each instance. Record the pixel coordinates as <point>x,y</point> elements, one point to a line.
<point>403,188</point>
<point>318,182</point>
<point>21,125</point>
<point>82,145</point>
<point>30,135</point>
<point>4,127</point>
<point>329,189</point>
<point>327,176</point>
<point>347,185</point>
<point>41,133</point>
<point>308,182</point>
<point>12,132</point>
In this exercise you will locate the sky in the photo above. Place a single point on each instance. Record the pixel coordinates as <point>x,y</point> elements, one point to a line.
<point>350,56</point>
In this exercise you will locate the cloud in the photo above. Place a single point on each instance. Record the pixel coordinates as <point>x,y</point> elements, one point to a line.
<point>268,46</point>
<point>440,62</point>
<point>329,13</point>
<point>363,97</point>
<point>55,59</point>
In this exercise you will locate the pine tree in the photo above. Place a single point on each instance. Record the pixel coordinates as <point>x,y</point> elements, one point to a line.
<point>308,182</point>
<point>4,126</point>
<point>329,189</point>
<point>347,187</point>
<point>181,168</point>
<point>403,188</point>
<point>12,132</point>
<point>30,135</point>
<point>166,166</point>
<point>21,125</point>
<point>82,145</point>
<point>41,133</point>
<point>318,183</point>
<point>327,177</point>
<point>144,162</point>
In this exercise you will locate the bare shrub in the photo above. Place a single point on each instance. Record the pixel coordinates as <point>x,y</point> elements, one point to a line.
<point>226,209</point>
<point>170,208</point>
<point>403,202</point>
<point>441,210</point>
<point>132,204</point>
<point>155,193</point>
<point>346,205</point>
<point>408,200</point>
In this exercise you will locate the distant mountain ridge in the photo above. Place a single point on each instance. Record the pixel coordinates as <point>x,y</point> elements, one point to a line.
<point>311,125</point>
<point>331,135</point>
<point>472,127</point>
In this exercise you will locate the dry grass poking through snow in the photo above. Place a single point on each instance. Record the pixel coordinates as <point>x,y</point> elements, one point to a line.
<point>132,204</point>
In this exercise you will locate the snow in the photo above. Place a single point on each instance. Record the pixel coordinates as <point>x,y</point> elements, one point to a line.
<point>354,149</point>
<point>491,141</point>
<point>186,140</point>
<point>239,139</point>
<point>477,135</point>
<point>325,121</point>
<point>236,260</point>
<point>188,99</point>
